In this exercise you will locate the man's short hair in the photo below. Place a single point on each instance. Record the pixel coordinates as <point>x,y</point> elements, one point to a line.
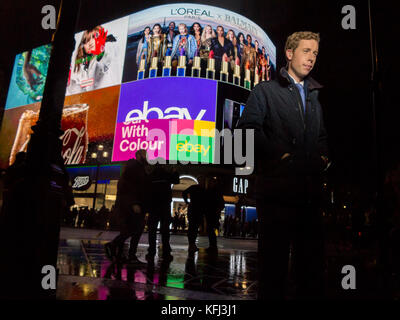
<point>292,42</point>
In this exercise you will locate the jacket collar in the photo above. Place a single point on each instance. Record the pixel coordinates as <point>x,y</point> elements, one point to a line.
<point>285,80</point>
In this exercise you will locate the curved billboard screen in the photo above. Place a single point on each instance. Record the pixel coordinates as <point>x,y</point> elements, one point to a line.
<point>164,79</point>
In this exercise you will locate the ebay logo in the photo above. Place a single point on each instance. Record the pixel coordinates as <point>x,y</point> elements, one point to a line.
<point>168,113</point>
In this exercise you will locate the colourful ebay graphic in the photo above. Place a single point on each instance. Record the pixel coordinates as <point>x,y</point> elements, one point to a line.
<point>169,139</point>
<point>154,113</point>
<point>192,148</point>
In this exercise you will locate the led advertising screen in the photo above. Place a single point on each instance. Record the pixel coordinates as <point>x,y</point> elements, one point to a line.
<point>98,58</point>
<point>162,79</point>
<point>28,77</point>
<point>176,126</point>
<point>23,102</point>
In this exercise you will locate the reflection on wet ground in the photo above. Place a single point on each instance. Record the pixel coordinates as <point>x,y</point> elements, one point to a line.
<point>85,273</point>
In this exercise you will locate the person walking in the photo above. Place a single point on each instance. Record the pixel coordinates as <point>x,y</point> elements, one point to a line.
<point>196,209</point>
<point>133,196</point>
<point>160,209</point>
<point>214,205</point>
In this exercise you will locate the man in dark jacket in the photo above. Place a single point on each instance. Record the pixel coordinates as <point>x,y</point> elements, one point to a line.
<point>133,195</point>
<point>160,209</point>
<point>291,154</point>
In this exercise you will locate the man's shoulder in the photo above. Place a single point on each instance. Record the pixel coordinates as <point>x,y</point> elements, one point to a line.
<point>266,86</point>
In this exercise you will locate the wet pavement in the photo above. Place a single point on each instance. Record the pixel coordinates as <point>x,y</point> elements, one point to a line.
<point>86,273</point>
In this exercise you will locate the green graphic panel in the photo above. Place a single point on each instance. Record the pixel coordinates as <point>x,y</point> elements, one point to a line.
<point>185,147</point>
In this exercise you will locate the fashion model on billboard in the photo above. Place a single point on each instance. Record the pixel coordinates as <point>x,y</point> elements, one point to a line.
<point>249,57</point>
<point>142,50</point>
<point>157,46</point>
<point>185,44</point>
<point>96,63</point>
<point>205,47</point>
<point>264,66</point>
<point>241,45</point>
<point>222,48</point>
<point>170,36</point>
<point>206,38</point>
<point>195,31</point>
<point>230,35</point>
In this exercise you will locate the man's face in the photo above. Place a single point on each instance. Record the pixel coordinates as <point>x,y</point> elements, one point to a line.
<point>302,60</point>
<point>182,30</point>
<point>220,32</point>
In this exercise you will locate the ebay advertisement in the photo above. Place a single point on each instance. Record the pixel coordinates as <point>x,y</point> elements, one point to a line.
<point>173,118</point>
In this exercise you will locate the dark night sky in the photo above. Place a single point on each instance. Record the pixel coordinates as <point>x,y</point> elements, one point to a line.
<point>343,66</point>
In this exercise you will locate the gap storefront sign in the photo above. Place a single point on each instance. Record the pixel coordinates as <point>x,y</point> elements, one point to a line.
<point>173,118</point>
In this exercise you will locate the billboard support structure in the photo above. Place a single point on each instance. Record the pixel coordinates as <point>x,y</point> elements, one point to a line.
<point>40,199</point>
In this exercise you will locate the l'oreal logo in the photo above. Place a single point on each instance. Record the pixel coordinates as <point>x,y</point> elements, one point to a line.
<point>168,113</point>
<point>191,11</point>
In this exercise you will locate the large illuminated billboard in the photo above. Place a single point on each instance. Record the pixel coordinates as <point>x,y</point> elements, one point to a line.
<point>161,79</point>
<point>177,126</point>
<point>28,77</point>
<point>98,58</point>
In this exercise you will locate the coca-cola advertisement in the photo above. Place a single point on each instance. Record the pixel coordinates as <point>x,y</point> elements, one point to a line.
<point>87,119</point>
<point>75,139</point>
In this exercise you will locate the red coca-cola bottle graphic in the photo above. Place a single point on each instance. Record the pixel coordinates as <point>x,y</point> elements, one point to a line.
<point>75,139</point>
<point>24,131</point>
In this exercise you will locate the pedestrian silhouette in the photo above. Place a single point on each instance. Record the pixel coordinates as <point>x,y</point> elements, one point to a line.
<point>133,196</point>
<point>214,205</point>
<point>196,209</point>
<point>160,209</point>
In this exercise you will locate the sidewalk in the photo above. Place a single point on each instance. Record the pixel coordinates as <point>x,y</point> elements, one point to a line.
<point>86,274</point>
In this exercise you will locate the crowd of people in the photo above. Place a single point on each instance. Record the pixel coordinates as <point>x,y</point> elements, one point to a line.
<point>235,227</point>
<point>204,42</point>
<point>83,217</point>
<point>179,222</point>
<point>140,184</point>
<point>106,219</point>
